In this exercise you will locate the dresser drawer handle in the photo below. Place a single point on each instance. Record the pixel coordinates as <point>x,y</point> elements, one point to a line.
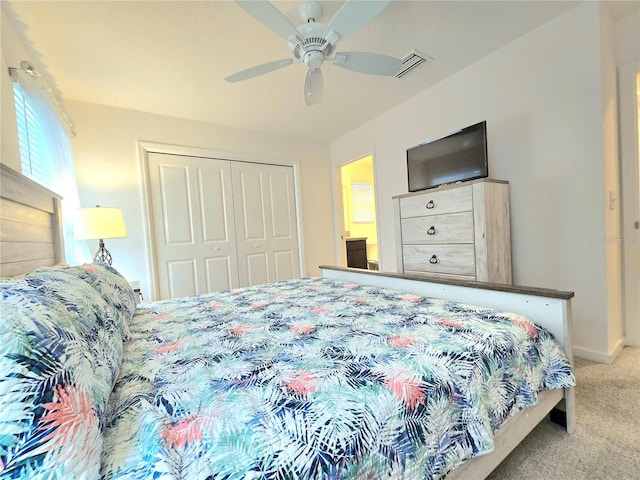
<point>432,230</point>
<point>430,205</point>
<point>433,260</point>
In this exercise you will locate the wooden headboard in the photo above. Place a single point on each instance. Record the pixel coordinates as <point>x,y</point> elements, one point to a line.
<point>30,224</point>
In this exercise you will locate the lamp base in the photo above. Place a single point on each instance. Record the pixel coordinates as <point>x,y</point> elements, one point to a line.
<point>102,255</point>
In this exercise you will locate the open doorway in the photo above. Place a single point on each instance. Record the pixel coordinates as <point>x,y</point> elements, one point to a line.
<point>359,234</point>
<point>629,78</point>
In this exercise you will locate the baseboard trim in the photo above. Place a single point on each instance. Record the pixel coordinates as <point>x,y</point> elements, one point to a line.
<point>599,357</point>
<point>618,348</point>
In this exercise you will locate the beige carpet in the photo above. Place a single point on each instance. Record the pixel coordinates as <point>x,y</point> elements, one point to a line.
<point>606,444</point>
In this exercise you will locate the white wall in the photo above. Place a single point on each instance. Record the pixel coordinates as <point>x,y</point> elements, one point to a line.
<point>542,99</point>
<point>627,41</point>
<point>107,167</point>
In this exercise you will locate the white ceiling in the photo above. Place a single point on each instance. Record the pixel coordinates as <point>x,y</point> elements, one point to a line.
<point>170,57</point>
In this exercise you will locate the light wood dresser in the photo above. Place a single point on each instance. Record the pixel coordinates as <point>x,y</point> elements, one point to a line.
<point>458,231</point>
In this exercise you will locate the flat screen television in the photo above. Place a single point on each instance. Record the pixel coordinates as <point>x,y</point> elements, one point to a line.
<point>456,157</point>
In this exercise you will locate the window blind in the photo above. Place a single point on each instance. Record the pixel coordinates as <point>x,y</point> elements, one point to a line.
<point>29,130</point>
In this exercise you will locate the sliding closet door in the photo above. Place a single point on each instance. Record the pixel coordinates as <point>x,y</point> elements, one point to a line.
<point>266,227</point>
<point>193,225</point>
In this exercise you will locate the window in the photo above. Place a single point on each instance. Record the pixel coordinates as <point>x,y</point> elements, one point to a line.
<point>362,197</point>
<point>46,156</point>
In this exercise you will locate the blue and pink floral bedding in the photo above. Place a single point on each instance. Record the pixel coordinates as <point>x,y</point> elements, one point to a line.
<point>61,342</point>
<point>317,379</point>
<point>307,379</point>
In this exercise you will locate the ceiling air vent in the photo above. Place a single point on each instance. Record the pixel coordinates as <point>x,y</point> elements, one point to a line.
<point>411,61</point>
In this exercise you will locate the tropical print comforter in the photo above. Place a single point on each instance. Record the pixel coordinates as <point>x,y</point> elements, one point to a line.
<point>318,379</point>
<point>61,342</point>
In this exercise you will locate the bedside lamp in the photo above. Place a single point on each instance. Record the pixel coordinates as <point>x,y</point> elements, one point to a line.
<point>97,224</point>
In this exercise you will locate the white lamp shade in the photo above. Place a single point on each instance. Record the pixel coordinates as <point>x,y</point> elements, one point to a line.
<point>98,223</point>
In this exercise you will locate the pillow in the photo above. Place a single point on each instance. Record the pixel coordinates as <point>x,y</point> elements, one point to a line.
<point>114,288</point>
<point>60,352</point>
<point>69,287</point>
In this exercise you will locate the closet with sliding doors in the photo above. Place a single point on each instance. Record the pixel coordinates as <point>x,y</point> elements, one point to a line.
<point>220,224</point>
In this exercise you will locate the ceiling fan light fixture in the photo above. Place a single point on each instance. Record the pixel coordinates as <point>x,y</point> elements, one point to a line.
<point>313,42</point>
<point>313,59</point>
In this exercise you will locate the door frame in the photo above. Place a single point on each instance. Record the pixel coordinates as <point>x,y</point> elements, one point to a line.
<point>629,108</point>
<point>341,254</point>
<point>145,148</point>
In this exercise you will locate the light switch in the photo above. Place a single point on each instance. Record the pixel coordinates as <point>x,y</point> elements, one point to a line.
<point>612,200</point>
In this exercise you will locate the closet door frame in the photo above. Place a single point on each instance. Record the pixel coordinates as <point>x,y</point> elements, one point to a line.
<point>145,148</point>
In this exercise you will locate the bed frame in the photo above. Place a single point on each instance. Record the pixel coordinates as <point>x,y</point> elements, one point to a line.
<point>30,224</point>
<point>548,308</point>
<point>31,237</point>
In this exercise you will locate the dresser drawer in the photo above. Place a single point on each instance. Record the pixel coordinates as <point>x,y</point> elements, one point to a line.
<point>437,202</point>
<point>451,259</point>
<point>450,228</point>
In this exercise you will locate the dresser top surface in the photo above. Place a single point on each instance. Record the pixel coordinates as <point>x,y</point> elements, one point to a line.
<point>450,186</point>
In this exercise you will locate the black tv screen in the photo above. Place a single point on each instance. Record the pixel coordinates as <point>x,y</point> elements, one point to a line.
<point>456,157</point>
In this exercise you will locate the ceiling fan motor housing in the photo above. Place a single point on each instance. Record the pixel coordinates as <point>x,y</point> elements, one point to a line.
<point>313,48</point>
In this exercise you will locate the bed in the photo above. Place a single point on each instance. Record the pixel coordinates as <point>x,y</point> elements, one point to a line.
<point>353,374</point>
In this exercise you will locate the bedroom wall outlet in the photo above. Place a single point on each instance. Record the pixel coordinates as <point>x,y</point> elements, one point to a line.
<point>612,200</point>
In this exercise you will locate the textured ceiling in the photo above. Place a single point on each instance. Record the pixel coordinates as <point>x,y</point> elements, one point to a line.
<point>171,57</point>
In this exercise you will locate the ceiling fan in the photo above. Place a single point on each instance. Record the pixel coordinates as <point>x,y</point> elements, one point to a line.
<point>314,43</point>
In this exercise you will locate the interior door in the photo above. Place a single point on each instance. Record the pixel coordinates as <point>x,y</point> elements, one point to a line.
<point>266,226</point>
<point>193,225</point>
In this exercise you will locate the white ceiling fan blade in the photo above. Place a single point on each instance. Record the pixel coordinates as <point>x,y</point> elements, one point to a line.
<point>369,63</point>
<point>270,17</point>
<point>313,86</point>
<point>354,15</point>
<point>258,70</point>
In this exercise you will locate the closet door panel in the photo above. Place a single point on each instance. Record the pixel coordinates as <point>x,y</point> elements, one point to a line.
<point>219,274</point>
<point>175,204</point>
<point>257,268</point>
<point>264,202</point>
<point>283,243</point>
<point>212,188</point>
<point>282,217</point>
<point>193,223</point>
<point>182,278</point>
<point>285,264</point>
<point>249,202</point>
